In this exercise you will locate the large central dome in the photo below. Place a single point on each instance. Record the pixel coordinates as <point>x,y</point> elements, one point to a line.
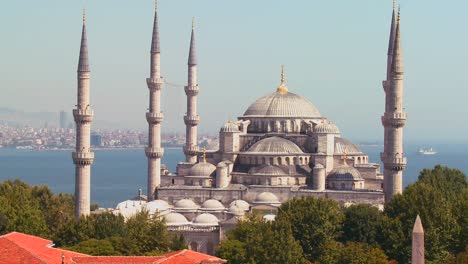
<point>282,104</point>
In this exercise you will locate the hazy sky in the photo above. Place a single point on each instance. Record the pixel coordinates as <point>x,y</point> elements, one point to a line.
<point>334,52</point>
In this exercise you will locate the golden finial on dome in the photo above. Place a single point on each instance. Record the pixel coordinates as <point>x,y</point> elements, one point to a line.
<point>394,4</point>
<point>156,5</point>
<point>193,23</point>
<point>344,157</point>
<point>399,13</point>
<point>324,120</point>
<point>282,89</point>
<point>84,15</point>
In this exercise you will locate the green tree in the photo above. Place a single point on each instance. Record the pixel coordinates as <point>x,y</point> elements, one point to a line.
<point>95,247</point>
<point>314,222</point>
<point>352,253</point>
<point>363,223</point>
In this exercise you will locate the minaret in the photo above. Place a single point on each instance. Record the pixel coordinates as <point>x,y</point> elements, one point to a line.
<point>154,116</point>
<point>191,118</point>
<point>417,247</point>
<point>83,115</point>
<point>393,120</point>
<point>391,43</point>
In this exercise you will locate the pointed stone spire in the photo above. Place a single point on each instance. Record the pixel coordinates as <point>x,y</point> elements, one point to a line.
<point>391,42</point>
<point>83,63</point>
<point>397,59</point>
<point>417,248</point>
<point>155,48</point>
<point>192,60</point>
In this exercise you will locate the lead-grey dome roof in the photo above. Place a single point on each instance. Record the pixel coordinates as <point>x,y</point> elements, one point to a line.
<point>280,104</point>
<point>275,145</point>
<point>229,127</point>
<point>345,173</point>
<point>267,170</point>
<point>326,128</point>
<point>202,169</point>
<point>343,146</point>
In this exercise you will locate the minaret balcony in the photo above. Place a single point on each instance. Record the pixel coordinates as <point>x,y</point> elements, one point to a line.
<point>191,150</point>
<point>154,118</point>
<point>395,162</point>
<point>83,115</point>
<point>192,90</point>
<point>154,84</point>
<point>154,153</point>
<point>396,119</point>
<point>191,120</point>
<point>83,158</point>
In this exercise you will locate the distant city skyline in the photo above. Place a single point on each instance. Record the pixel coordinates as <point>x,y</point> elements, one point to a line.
<point>334,53</point>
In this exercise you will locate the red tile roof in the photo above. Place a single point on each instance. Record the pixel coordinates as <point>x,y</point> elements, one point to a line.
<point>21,248</point>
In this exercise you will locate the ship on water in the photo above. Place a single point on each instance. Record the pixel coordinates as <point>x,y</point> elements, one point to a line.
<point>427,151</point>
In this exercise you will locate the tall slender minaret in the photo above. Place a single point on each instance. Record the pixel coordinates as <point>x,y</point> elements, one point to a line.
<point>393,120</point>
<point>191,118</point>
<point>83,115</point>
<point>417,247</point>
<point>154,116</point>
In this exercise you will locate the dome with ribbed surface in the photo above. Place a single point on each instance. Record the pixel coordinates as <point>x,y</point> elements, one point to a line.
<point>326,128</point>
<point>275,145</point>
<point>157,206</point>
<point>280,104</point>
<point>343,146</point>
<point>175,219</point>
<point>229,127</point>
<point>185,204</point>
<point>202,169</point>
<point>266,197</point>
<point>213,205</point>
<point>267,170</point>
<point>241,204</point>
<point>206,219</point>
<point>345,173</point>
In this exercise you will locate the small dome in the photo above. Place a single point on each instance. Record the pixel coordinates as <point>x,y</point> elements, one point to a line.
<point>326,128</point>
<point>266,197</point>
<point>222,164</point>
<point>185,204</point>
<point>241,204</point>
<point>345,146</point>
<point>345,173</point>
<point>157,206</point>
<point>236,210</point>
<point>175,219</point>
<point>202,169</point>
<point>213,205</point>
<point>275,145</point>
<point>229,127</point>
<point>206,219</point>
<point>268,170</point>
<point>130,203</point>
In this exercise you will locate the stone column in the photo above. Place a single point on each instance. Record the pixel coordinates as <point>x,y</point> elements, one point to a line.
<point>417,247</point>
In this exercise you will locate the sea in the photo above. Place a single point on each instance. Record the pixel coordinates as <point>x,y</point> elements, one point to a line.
<point>116,175</point>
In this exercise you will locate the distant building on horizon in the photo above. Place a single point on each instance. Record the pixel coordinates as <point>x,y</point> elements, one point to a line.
<point>63,119</point>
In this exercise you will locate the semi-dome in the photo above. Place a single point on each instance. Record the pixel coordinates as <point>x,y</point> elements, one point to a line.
<point>206,219</point>
<point>185,204</point>
<point>267,198</point>
<point>275,145</point>
<point>229,127</point>
<point>344,146</point>
<point>241,204</point>
<point>280,104</point>
<point>175,219</point>
<point>345,173</point>
<point>267,170</point>
<point>326,128</point>
<point>157,206</point>
<point>213,205</point>
<point>202,169</point>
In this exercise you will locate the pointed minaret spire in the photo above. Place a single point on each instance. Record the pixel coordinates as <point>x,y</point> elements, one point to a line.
<point>191,119</point>
<point>391,41</point>
<point>83,64</point>
<point>397,56</point>
<point>192,60</point>
<point>154,152</point>
<point>417,248</point>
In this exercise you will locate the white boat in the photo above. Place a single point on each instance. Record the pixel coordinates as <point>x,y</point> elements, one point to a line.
<point>427,151</point>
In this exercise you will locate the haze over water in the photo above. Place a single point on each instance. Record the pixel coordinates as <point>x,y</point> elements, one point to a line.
<point>118,174</point>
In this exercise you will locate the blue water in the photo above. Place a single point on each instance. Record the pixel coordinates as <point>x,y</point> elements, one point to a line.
<point>118,174</point>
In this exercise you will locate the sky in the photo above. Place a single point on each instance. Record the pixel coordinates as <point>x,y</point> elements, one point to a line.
<point>334,52</point>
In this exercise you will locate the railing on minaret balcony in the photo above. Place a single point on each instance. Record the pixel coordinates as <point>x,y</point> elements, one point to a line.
<point>192,90</point>
<point>154,118</point>
<point>154,153</point>
<point>192,150</point>
<point>192,120</point>
<point>154,84</point>
<point>396,162</point>
<point>395,119</point>
<point>83,115</point>
<point>83,158</point>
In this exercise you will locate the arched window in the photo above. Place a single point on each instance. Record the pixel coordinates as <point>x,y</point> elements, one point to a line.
<point>288,161</point>
<point>173,181</point>
<point>271,161</point>
<point>279,161</point>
